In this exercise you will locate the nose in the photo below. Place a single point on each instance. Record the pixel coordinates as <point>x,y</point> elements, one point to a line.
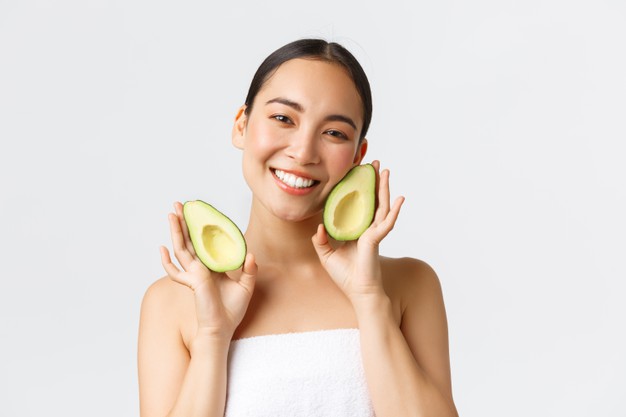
<point>303,147</point>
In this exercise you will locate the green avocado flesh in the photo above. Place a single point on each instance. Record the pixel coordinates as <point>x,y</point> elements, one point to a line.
<point>218,242</point>
<point>349,208</point>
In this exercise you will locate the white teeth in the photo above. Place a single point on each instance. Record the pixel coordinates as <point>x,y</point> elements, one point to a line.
<point>293,181</point>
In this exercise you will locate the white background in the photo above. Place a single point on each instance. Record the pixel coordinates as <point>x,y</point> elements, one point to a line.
<point>503,124</point>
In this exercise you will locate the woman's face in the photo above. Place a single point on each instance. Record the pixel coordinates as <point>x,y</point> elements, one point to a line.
<point>301,137</point>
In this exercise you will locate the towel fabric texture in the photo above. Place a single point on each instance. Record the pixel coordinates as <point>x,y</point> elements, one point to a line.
<point>318,373</point>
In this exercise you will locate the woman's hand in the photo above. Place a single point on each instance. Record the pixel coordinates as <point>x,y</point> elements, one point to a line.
<point>221,299</point>
<point>355,265</point>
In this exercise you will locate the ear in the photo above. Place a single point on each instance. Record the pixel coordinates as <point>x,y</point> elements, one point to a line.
<point>360,152</point>
<point>239,128</point>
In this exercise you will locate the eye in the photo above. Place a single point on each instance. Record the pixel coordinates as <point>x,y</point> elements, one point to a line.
<point>282,118</point>
<point>337,133</point>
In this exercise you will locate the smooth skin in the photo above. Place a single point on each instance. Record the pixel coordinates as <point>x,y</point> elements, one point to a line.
<point>295,278</point>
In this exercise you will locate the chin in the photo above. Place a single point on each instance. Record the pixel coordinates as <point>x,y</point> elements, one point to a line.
<point>296,217</point>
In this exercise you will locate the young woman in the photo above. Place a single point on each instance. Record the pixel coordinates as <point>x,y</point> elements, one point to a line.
<point>308,326</point>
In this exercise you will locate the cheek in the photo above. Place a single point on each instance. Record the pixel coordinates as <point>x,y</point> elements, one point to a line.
<point>342,158</point>
<point>262,138</point>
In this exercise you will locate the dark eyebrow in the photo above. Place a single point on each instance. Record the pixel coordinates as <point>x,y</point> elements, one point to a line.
<point>298,107</point>
<point>341,118</point>
<point>286,102</point>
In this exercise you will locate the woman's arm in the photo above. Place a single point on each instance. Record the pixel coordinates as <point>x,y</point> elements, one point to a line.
<point>179,378</point>
<point>173,380</point>
<point>407,367</point>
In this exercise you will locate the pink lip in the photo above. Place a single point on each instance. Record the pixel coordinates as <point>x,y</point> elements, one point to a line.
<point>292,190</point>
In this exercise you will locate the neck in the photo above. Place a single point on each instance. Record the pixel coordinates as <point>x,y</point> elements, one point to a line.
<point>273,240</point>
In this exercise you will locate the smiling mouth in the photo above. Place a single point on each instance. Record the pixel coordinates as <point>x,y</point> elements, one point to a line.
<point>292,180</point>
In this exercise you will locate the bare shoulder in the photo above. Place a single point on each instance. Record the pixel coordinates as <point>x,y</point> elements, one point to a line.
<point>163,295</point>
<point>168,305</point>
<point>408,281</point>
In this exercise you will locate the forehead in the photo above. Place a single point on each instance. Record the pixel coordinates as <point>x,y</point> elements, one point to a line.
<point>314,84</point>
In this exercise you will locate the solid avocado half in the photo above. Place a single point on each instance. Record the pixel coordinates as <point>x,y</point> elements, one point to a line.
<point>349,208</point>
<point>218,242</point>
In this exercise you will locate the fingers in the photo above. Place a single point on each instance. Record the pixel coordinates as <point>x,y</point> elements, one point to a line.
<point>376,165</point>
<point>169,267</point>
<point>383,197</point>
<point>390,221</point>
<point>386,215</point>
<point>178,242</point>
<point>172,270</point>
<point>178,208</point>
<point>248,272</point>
<point>321,244</point>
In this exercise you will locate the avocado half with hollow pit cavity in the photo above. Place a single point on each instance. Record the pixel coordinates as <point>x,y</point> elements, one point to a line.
<point>349,208</point>
<point>218,242</point>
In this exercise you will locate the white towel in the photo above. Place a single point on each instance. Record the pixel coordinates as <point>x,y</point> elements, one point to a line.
<point>307,374</point>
